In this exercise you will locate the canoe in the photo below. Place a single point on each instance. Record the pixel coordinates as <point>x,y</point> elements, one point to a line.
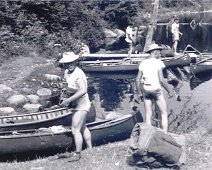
<point>130,64</point>
<point>111,56</point>
<point>177,61</point>
<point>37,120</point>
<point>203,66</point>
<point>200,62</point>
<point>46,140</point>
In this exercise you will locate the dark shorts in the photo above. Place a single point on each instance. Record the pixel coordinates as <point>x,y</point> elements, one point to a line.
<point>151,92</point>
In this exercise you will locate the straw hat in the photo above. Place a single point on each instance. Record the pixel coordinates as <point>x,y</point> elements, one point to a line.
<point>68,57</point>
<point>153,47</point>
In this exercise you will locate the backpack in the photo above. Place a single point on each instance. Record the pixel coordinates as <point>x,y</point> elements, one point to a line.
<point>150,147</point>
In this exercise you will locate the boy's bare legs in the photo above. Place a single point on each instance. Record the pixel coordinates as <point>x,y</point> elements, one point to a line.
<point>148,111</point>
<point>161,103</point>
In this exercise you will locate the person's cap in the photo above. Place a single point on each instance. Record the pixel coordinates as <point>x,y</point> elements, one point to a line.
<point>55,45</point>
<point>153,47</point>
<point>68,57</point>
<point>176,18</point>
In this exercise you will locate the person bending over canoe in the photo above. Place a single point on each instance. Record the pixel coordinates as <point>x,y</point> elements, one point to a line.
<point>149,81</point>
<point>78,99</point>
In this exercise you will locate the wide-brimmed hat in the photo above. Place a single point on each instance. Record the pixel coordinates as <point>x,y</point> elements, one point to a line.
<point>68,57</point>
<point>153,47</point>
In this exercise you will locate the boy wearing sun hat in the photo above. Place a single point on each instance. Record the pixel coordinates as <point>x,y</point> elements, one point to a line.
<point>79,100</point>
<point>149,83</point>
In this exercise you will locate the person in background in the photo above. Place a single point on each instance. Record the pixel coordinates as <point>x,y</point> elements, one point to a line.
<point>78,100</point>
<point>84,49</point>
<point>175,34</point>
<point>129,38</point>
<point>57,51</point>
<point>149,83</point>
<point>140,40</point>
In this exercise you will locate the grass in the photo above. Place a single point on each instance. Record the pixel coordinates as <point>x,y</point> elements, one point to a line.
<point>111,157</point>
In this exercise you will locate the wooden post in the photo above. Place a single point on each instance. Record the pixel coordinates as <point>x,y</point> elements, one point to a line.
<point>152,25</point>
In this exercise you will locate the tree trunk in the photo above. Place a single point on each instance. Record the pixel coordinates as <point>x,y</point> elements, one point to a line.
<point>152,25</point>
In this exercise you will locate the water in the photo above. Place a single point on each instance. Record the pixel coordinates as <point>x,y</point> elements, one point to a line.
<point>113,93</point>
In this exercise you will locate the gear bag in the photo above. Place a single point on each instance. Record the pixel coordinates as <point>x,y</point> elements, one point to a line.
<point>151,147</point>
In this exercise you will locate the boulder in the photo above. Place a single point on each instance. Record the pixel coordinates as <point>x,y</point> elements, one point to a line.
<point>45,92</point>
<point>52,77</point>
<point>17,100</point>
<point>6,111</point>
<point>33,98</point>
<point>108,33</point>
<point>32,107</point>
<point>119,32</point>
<point>26,90</point>
<point>4,87</point>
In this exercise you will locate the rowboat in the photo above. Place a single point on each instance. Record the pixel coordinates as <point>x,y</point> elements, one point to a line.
<point>130,64</point>
<point>61,116</point>
<point>48,140</point>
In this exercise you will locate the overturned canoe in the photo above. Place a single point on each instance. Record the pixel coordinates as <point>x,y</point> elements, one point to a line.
<point>131,64</point>
<point>203,66</point>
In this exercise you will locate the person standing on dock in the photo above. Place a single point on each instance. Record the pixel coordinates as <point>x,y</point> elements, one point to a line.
<point>131,35</point>
<point>78,100</point>
<point>149,83</point>
<point>175,34</point>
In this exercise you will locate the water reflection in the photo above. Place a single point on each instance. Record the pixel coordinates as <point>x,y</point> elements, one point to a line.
<point>111,91</point>
<point>115,90</point>
<point>115,94</point>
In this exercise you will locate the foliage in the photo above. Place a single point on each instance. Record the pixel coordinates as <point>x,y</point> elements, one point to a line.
<point>39,24</point>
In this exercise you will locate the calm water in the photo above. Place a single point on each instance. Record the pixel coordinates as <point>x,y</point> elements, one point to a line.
<point>113,93</point>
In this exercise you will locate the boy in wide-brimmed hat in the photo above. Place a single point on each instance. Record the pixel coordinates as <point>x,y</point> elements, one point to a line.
<point>149,84</point>
<point>78,100</point>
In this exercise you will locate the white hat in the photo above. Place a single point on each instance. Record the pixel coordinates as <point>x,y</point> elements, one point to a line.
<point>68,57</point>
<point>55,45</point>
<point>153,47</point>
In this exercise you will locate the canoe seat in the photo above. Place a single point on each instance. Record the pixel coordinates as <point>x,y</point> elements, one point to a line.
<point>17,121</point>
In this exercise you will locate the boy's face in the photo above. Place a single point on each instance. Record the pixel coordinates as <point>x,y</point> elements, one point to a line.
<point>156,53</point>
<point>70,66</point>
